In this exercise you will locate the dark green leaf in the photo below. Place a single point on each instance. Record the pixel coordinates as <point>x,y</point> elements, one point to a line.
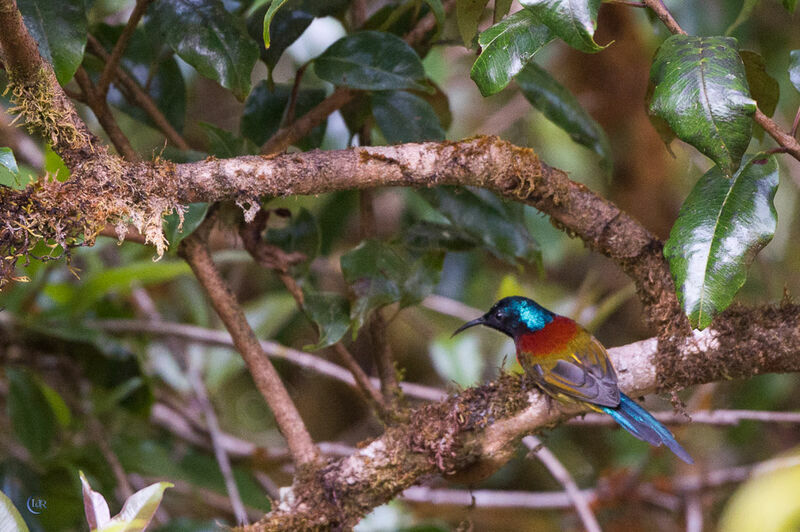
<point>701,92</point>
<point>59,28</point>
<point>790,5</point>
<point>563,109</point>
<point>427,235</point>
<point>7,160</point>
<point>156,71</point>
<point>301,235</point>
<point>330,312</point>
<point>744,14</point>
<point>371,60</point>
<point>721,226</point>
<point>271,10</point>
<point>506,48</point>
<point>489,221</point>
<point>30,414</point>
<point>192,218</point>
<point>763,87</point>
<point>209,38</point>
<point>468,14</point>
<point>264,111</point>
<point>380,274</point>
<point>575,21</point>
<point>225,144</point>
<point>404,117</point>
<point>794,68</point>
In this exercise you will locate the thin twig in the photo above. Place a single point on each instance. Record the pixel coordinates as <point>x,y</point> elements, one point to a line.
<point>223,338</point>
<point>146,306</point>
<point>99,107</point>
<point>705,417</point>
<point>136,95</point>
<point>787,141</point>
<point>661,11</point>
<point>109,72</point>
<point>561,474</point>
<point>195,250</point>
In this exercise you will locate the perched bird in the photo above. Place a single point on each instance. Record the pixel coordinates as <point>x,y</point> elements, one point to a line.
<point>571,365</point>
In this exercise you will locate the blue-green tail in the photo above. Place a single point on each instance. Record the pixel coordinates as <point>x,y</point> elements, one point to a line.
<point>644,426</point>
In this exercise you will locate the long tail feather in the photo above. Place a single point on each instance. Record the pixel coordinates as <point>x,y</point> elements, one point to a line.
<point>644,426</point>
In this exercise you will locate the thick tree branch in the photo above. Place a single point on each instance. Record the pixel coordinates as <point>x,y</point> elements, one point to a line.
<point>454,436</point>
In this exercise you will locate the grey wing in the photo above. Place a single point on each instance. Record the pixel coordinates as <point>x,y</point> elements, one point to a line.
<point>588,377</point>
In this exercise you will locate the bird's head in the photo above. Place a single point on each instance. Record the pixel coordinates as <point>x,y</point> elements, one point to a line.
<point>513,316</point>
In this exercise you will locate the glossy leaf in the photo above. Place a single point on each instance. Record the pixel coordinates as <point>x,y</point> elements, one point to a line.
<point>506,49</point>
<point>764,88</point>
<point>721,226</point>
<point>10,518</point>
<point>700,90</point>
<point>139,508</point>
<point>380,274</point>
<point>405,117</point>
<point>59,28</point>
<point>330,313</point>
<point>7,160</point>
<point>794,68</point>
<point>285,28</point>
<point>371,60</point>
<point>265,109</point>
<point>30,414</point>
<point>562,108</point>
<point>574,21</point>
<point>468,14</point>
<point>494,224</point>
<point>206,36</point>
<point>156,71</point>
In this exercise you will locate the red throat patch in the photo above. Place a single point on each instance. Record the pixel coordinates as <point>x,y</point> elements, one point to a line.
<point>552,338</point>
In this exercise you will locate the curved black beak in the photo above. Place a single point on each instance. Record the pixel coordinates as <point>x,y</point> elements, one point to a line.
<point>473,323</point>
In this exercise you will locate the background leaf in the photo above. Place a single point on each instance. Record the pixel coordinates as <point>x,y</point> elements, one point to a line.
<point>701,92</point>
<point>192,218</point>
<point>764,88</point>
<point>506,48</point>
<point>206,36</point>
<point>265,109</point>
<point>405,117</point>
<point>59,28</point>
<point>330,312</point>
<point>721,226</point>
<point>794,68</point>
<point>458,359</point>
<point>574,21</point>
<point>468,14</point>
<point>29,411</point>
<point>271,10</point>
<point>157,72</point>
<point>562,108</point>
<point>379,274</point>
<point>371,60</point>
<point>490,222</point>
